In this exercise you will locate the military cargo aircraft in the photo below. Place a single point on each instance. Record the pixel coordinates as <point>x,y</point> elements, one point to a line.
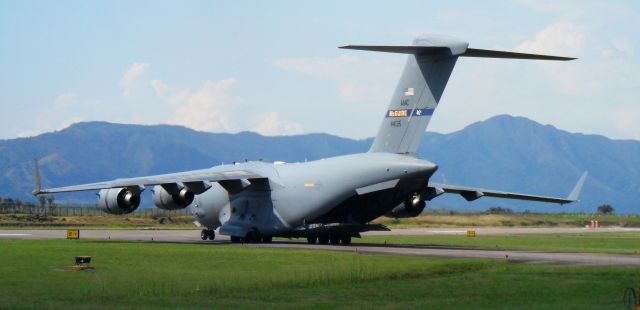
<point>329,200</point>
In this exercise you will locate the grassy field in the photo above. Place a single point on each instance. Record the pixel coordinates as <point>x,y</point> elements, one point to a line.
<point>610,242</point>
<point>154,275</point>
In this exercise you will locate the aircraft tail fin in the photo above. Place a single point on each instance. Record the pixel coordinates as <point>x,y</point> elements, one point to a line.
<point>428,68</point>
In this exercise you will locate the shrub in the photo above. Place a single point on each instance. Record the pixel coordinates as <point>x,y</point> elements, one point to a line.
<point>605,209</point>
<point>499,210</point>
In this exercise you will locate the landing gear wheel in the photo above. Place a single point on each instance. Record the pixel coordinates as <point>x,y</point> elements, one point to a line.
<point>212,235</point>
<point>323,240</point>
<point>335,240</point>
<point>204,234</point>
<point>312,240</point>
<point>267,239</point>
<point>346,240</point>
<point>252,237</point>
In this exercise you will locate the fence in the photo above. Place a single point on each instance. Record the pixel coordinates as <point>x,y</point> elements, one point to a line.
<point>87,211</point>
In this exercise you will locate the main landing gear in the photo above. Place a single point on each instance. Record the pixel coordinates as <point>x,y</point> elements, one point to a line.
<point>207,234</point>
<point>252,237</point>
<point>333,239</point>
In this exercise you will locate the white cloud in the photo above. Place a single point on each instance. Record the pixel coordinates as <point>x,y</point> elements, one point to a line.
<point>272,125</point>
<point>625,120</point>
<point>561,38</point>
<point>623,45</point>
<point>161,88</point>
<point>131,77</point>
<point>65,100</point>
<point>357,79</point>
<point>62,113</point>
<point>208,109</point>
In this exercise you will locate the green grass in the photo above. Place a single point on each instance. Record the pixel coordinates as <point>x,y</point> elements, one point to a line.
<point>625,242</point>
<point>164,275</point>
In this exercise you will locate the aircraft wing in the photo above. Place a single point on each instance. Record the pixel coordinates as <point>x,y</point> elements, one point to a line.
<point>473,193</point>
<point>192,178</point>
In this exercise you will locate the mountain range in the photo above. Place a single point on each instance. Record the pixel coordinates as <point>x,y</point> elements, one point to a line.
<point>504,152</point>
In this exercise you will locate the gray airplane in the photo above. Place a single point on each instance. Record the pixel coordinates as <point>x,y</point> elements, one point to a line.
<point>329,200</point>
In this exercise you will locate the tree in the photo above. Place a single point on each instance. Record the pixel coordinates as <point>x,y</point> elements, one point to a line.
<point>42,200</point>
<point>605,209</point>
<point>50,200</point>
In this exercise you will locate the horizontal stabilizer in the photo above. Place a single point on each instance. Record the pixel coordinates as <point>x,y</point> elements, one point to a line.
<point>469,52</point>
<point>476,52</point>
<point>408,49</point>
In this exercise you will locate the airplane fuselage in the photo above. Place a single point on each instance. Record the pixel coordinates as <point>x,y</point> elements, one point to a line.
<point>302,193</point>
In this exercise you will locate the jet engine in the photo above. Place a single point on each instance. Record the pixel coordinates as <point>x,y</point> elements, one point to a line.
<point>118,200</point>
<point>179,199</point>
<point>412,207</point>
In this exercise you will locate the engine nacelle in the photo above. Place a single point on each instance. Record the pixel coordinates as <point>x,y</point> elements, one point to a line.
<point>118,200</point>
<point>412,207</point>
<point>167,201</point>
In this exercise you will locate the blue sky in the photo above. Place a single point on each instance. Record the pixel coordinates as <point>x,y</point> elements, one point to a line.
<point>274,67</point>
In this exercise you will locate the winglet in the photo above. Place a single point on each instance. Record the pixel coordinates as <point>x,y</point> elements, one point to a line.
<point>575,193</point>
<point>37,181</point>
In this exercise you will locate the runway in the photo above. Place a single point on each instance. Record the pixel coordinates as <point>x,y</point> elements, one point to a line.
<point>192,236</point>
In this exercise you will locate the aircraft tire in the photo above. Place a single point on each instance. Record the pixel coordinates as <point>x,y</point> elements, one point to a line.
<point>212,235</point>
<point>323,240</point>
<point>204,234</point>
<point>312,240</point>
<point>252,237</point>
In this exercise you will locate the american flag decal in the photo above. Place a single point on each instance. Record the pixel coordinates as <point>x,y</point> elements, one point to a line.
<point>409,91</point>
